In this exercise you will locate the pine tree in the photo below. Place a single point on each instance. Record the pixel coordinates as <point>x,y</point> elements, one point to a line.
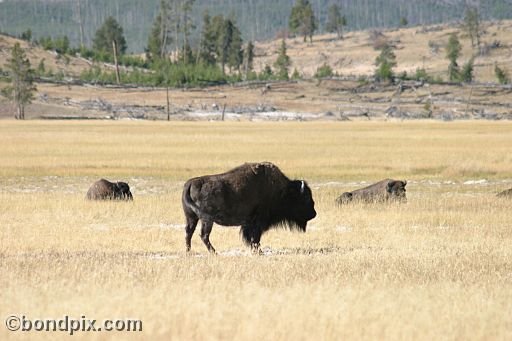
<point>472,25</point>
<point>186,28</point>
<point>248,58</point>
<point>235,52</point>
<point>335,21</point>
<point>207,44</point>
<point>302,20</point>
<point>224,34</point>
<point>282,63</point>
<point>466,75</point>
<point>21,90</point>
<point>453,50</point>
<point>155,47</point>
<point>385,63</point>
<point>501,75</point>
<point>110,32</point>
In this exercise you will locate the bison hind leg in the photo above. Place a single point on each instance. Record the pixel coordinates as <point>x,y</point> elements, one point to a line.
<point>206,229</point>
<point>190,227</point>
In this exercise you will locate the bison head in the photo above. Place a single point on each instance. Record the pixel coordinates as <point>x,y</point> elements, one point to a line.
<point>396,189</point>
<point>345,198</point>
<point>301,207</point>
<point>122,191</point>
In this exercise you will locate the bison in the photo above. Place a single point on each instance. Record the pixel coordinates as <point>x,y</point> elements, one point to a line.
<point>106,190</point>
<point>382,191</point>
<point>255,196</point>
<point>505,194</point>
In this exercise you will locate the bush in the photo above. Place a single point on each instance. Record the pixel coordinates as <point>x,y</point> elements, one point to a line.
<point>323,71</point>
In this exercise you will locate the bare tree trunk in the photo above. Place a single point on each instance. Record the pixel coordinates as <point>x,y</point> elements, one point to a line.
<point>80,23</point>
<point>168,105</point>
<point>114,46</point>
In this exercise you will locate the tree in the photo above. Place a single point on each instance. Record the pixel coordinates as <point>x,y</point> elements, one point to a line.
<point>302,19</point>
<point>27,35</point>
<point>235,52</point>
<point>109,34</point>
<point>21,90</point>
<point>501,75</point>
<point>186,28</point>
<point>472,25</point>
<point>207,44</point>
<point>155,47</point>
<point>282,63</point>
<point>453,50</point>
<point>403,21</point>
<point>248,58</point>
<point>335,21</point>
<point>224,35</point>
<point>466,75</point>
<point>385,63</point>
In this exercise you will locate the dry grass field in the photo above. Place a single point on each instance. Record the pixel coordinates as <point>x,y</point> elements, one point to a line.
<point>436,268</point>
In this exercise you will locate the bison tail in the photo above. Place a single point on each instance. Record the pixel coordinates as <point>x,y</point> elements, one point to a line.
<point>188,203</point>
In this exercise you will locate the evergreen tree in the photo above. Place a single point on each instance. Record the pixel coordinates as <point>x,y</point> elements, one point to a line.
<point>224,34</point>
<point>282,63</point>
<point>110,32</point>
<point>207,44</point>
<point>466,75</point>
<point>21,90</point>
<point>335,21</point>
<point>501,75</point>
<point>453,50</point>
<point>385,63</point>
<point>186,28</point>
<point>235,53</point>
<point>472,25</point>
<point>403,21</point>
<point>302,20</point>
<point>248,58</point>
<point>155,42</point>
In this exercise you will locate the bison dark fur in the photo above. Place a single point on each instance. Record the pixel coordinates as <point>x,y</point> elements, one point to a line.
<point>106,190</point>
<point>505,194</point>
<point>382,191</point>
<point>255,196</point>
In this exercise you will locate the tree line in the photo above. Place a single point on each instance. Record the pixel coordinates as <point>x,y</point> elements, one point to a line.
<point>79,19</point>
<point>220,55</point>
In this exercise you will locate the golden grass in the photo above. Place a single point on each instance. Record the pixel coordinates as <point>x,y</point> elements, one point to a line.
<point>438,267</point>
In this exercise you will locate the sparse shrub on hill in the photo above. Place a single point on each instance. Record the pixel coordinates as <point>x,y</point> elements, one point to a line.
<point>501,75</point>
<point>324,71</point>
<point>385,63</point>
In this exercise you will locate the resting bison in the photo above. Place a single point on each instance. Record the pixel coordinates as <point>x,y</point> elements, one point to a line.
<point>106,190</point>
<point>256,196</point>
<point>381,191</point>
<point>506,194</point>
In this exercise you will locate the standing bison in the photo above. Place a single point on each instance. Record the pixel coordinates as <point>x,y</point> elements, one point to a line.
<point>255,196</point>
<point>106,190</point>
<point>382,191</point>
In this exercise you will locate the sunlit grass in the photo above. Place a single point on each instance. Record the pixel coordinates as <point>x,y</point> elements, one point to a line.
<point>437,267</point>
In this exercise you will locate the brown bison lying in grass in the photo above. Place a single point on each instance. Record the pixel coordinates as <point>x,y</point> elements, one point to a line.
<point>382,191</point>
<point>506,194</point>
<point>255,196</point>
<point>106,190</point>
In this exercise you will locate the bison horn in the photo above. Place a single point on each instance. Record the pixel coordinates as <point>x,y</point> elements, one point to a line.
<point>302,187</point>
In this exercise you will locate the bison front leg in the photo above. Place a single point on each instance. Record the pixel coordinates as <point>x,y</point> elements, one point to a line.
<point>252,236</point>
<point>206,229</point>
<point>189,230</point>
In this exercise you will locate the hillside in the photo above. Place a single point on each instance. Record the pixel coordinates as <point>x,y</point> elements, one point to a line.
<point>261,19</point>
<point>309,99</point>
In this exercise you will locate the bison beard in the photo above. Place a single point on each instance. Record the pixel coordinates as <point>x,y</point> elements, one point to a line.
<point>255,196</point>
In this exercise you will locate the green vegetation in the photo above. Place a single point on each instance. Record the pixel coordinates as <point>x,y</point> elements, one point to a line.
<point>335,21</point>
<point>324,71</point>
<point>453,50</point>
<point>302,20</point>
<point>501,75</point>
<point>282,63</point>
<point>472,25</point>
<point>21,90</point>
<point>385,63</point>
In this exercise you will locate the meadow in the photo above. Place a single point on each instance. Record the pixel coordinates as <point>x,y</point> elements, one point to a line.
<point>437,267</point>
